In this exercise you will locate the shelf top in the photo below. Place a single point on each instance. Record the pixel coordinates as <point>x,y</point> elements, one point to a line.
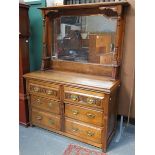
<point>87,5</point>
<point>76,79</point>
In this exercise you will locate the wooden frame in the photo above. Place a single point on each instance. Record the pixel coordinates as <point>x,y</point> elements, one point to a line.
<point>109,9</point>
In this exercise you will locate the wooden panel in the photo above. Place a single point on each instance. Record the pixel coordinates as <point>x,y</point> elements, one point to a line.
<point>87,68</point>
<point>45,104</point>
<point>83,130</point>
<point>23,110</point>
<point>84,114</point>
<point>84,97</point>
<point>24,55</point>
<point>24,20</point>
<point>46,119</point>
<point>23,62</point>
<point>44,89</point>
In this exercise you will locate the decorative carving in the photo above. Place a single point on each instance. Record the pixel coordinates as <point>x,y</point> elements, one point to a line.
<point>109,11</point>
<point>84,99</point>
<point>43,90</point>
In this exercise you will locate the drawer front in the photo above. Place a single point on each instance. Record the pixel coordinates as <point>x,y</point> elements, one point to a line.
<point>45,119</point>
<point>45,104</point>
<point>84,97</point>
<point>44,89</point>
<point>82,130</point>
<point>83,114</point>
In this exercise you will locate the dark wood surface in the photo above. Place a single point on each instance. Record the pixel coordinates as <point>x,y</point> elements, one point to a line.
<point>23,62</point>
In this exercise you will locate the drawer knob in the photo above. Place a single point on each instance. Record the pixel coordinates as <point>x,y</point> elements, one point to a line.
<point>90,100</point>
<point>75,129</point>
<point>75,112</point>
<point>49,92</point>
<point>39,118</point>
<point>51,122</point>
<point>36,89</point>
<point>74,97</point>
<point>90,115</point>
<point>90,134</point>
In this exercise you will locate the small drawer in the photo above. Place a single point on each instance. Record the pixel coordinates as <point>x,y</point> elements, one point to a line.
<point>84,114</point>
<point>44,89</point>
<point>45,104</point>
<point>83,130</point>
<point>84,97</point>
<point>45,119</point>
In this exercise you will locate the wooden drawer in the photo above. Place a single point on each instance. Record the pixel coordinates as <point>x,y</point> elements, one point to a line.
<point>45,104</point>
<point>83,130</point>
<point>45,119</point>
<point>84,114</point>
<point>84,97</point>
<point>44,89</point>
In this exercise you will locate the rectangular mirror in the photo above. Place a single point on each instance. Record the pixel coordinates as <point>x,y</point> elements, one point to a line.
<point>84,39</point>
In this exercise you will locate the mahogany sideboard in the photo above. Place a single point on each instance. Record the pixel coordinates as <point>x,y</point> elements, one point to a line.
<point>71,95</point>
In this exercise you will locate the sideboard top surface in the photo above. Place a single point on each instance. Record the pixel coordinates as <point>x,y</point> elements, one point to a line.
<point>77,79</point>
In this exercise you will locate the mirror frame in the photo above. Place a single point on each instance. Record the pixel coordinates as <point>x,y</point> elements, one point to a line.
<point>110,10</point>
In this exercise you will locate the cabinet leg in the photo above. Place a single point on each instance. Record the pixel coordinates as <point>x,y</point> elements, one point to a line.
<point>104,150</point>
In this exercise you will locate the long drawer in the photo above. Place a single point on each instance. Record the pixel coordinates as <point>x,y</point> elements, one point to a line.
<point>84,114</point>
<point>45,119</point>
<point>44,89</point>
<point>83,130</point>
<point>84,97</point>
<point>45,104</point>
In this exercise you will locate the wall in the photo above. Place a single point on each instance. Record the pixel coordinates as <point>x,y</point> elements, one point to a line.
<point>126,95</point>
<point>35,17</point>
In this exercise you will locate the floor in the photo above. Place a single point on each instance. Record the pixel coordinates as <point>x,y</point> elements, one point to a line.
<point>37,141</point>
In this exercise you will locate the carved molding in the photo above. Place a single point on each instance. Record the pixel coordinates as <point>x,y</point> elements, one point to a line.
<point>84,99</point>
<point>42,90</point>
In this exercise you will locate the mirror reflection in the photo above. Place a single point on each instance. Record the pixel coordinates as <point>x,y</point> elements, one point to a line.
<point>83,39</point>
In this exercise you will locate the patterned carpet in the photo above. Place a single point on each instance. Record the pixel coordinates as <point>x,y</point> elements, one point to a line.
<point>78,150</point>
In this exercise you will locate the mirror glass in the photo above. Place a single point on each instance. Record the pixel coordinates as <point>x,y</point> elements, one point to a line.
<point>84,39</point>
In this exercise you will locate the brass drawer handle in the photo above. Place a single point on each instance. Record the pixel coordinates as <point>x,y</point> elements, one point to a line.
<point>75,112</point>
<point>90,134</point>
<point>51,122</point>
<point>75,129</point>
<point>38,100</point>
<point>74,97</point>
<point>50,104</point>
<point>49,92</point>
<point>39,118</point>
<point>36,89</point>
<point>90,100</point>
<point>90,115</point>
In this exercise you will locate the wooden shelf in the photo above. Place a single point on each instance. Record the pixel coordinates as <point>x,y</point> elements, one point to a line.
<point>87,5</point>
